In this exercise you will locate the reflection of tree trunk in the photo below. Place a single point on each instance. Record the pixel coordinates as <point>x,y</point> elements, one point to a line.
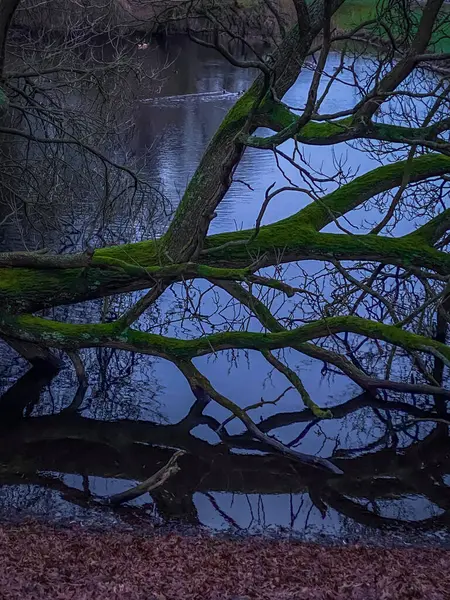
<point>359,513</point>
<point>7,8</point>
<point>173,505</point>
<point>37,356</point>
<point>340,411</point>
<point>441,336</point>
<point>70,443</point>
<point>83,383</point>
<point>423,482</point>
<point>25,393</point>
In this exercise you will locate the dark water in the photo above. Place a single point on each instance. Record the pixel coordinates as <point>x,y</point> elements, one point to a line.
<point>61,463</point>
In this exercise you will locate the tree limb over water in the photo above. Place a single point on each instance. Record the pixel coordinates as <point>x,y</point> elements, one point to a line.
<point>392,292</point>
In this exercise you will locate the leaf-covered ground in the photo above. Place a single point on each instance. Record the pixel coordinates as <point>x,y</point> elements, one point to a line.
<point>38,561</point>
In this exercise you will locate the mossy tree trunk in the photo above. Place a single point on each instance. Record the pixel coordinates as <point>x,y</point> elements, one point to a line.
<point>30,282</point>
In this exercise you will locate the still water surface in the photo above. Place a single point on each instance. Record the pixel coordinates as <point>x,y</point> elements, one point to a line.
<point>136,410</point>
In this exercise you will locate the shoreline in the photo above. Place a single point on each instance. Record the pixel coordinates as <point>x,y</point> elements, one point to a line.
<point>137,521</point>
<point>44,561</point>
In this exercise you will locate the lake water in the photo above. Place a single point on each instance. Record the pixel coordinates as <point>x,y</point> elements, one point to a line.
<point>137,410</point>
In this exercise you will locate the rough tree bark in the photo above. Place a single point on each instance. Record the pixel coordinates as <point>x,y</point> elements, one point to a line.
<point>30,282</point>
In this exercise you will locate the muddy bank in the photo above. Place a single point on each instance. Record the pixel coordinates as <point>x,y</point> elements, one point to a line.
<point>45,562</point>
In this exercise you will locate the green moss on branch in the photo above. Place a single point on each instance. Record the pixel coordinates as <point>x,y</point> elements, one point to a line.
<point>288,241</point>
<point>291,239</point>
<point>353,194</point>
<point>70,336</point>
<point>277,116</point>
<point>22,290</point>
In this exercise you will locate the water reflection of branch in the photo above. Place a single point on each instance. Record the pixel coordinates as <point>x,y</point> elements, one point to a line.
<point>342,410</point>
<point>83,383</point>
<point>257,405</point>
<point>71,443</point>
<point>432,419</point>
<point>303,433</point>
<point>24,394</point>
<point>221,512</point>
<point>201,385</point>
<point>361,514</point>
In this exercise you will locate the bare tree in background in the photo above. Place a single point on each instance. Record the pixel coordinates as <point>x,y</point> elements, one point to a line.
<point>65,137</point>
<point>375,309</point>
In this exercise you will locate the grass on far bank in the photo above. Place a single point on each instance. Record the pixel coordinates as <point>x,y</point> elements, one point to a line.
<point>353,12</point>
